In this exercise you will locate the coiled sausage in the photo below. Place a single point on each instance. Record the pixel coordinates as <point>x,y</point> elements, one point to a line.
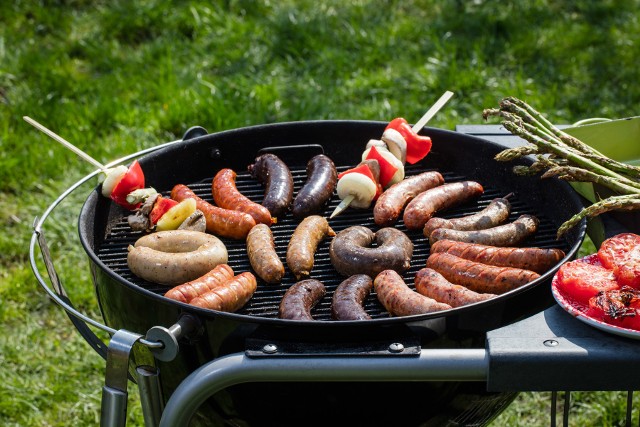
<point>322,178</point>
<point>226,195</point>
<point>271,171</point>
<point>398,298</point>
<point>221,222</point>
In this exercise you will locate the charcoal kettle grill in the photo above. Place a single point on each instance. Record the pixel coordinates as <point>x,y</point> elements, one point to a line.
<point>251,368</point>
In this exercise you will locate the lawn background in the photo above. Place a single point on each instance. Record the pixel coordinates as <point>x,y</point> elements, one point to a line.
<point>116,76</point>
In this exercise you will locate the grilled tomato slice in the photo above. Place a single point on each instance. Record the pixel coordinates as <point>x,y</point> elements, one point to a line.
<point>581,281</point>
<point>621,254</point>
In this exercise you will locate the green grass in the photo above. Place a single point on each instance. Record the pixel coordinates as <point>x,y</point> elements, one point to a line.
<point>117,76</point>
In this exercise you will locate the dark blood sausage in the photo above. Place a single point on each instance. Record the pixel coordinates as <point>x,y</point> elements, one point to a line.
<point>535,259</point>
<point>432,284</point>
<point>262,254</point>
<point>190,290</point>
<point>479,277</point>
<point>271,171</point>
<point>304,242</point>
<point>493,215</point>
<point>300,298</point>
<point>226,195</point>
<point>389,205</point>
<point>445,196</point>
<point>398,298</point>
<point>231,296</point>
<point>322,178</point>
<point>221,222</point>
<point>511,234</point>
<point>349,297</point>
<point>350,252</point>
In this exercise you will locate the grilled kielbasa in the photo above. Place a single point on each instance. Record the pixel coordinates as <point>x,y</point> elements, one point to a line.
<point>432,284</point>
<point>226,195</point>
<point>322,178</point>
<point>493,215</point>
<point>304,242</point>
<point>535,259</point>
<point>478,277</point>
<point>399,300</point>
<point>510,234</point>
<point>445,196</point>
<point>221,222</point>
<point>389,205</point>
<point>190,290</point>
<point>350,252</point>
<point>271,171</point>
<point>349,297</point>
<point>175,256</point>
<point>262,254</point>
<point>300,298</point>
<point>231,296</point>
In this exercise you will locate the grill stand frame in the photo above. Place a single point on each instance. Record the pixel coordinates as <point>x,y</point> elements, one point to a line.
<point>499,364</point>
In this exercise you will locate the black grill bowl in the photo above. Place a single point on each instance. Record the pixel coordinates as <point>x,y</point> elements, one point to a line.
<point>126,302</point>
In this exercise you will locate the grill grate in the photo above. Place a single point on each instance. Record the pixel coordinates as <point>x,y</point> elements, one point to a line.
<point>266,300</point>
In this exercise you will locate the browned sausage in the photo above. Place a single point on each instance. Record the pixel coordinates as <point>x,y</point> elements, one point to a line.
<point>390,204</point>
<point>262,254</point>
<point>432,284</point>
<point>493,215</point>
<point>229,297</point>
<point>304,242</point>
<point>190,290</point>
<point>511,234</point>
<point>445,196</point>
<point>399,299</point>
<point>270,170</point>
<point>479,277</point>
<point>300,298</point>
<point>322,178</point>
<point>350,251</point>
<point>226,195</point>
<point>221,222</point>
<point>349,297</point>
<point>535,259</point>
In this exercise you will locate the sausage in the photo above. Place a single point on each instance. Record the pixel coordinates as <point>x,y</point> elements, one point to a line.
<point>175,256</point>
<point>493,215</point>
<point>276,176</point>
<point>424,205</point>
<point>510,234</point>
<point>304,242</point>
<point>349,297</point>
<point>221,222</point>
<point>431,284</point>
<point>262,254</point>
<point>400,300</point>
<point>231,296</point>
<point>226,195</point>
<point>188,291</point>
<point>390,204</point>
<point>322,179</point>
<point>300,298</point>
<point>535,259</point>
<point>350,252</point>
<point>479,277</point>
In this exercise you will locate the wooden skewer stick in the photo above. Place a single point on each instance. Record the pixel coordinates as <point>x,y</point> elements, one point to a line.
<point>66,143</point>
<point>344,204</point>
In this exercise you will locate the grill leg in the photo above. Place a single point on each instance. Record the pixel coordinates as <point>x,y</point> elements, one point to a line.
<point>565,411</point>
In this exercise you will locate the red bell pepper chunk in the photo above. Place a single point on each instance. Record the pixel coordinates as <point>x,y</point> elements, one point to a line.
<point>160,207</point>
<point>387,170</point>
<point>133,179</point>
<point>418,146</point>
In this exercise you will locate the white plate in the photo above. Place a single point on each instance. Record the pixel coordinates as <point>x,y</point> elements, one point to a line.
<point>578,310</point>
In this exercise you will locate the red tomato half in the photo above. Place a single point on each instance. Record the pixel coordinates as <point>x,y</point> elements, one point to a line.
<point>132,180</point>
<point>581,281</point>
<point>621,254</point>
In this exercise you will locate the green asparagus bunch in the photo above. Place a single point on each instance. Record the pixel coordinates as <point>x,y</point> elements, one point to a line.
<point>561,155</point>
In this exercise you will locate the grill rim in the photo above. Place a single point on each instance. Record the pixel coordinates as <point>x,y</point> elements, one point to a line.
<point>95,200</point>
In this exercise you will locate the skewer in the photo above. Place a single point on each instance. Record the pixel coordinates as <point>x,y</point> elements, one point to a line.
<point>344,204</point>
<point>66,143</point>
